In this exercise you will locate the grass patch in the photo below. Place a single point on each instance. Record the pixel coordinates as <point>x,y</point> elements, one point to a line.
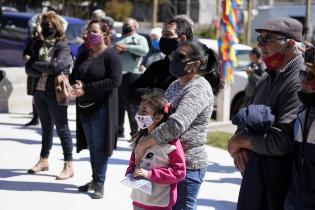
<point>218,139</point>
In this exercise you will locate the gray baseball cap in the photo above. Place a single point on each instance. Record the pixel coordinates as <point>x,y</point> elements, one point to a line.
<point>288,27</point>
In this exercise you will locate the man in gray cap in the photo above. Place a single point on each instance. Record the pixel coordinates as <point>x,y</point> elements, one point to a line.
<point>265,159</point>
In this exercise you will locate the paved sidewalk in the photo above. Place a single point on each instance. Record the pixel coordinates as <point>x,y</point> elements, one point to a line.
<point>19,150</point>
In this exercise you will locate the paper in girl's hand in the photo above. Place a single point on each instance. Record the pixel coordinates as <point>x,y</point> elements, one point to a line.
<point>136,183</point>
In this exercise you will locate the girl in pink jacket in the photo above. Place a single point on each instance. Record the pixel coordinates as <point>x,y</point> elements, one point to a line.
<point>162,165</point>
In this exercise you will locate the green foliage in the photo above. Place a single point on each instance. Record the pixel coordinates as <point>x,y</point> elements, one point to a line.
<point>218,139</point>
<point>206,32</point>
<point>118,9</point>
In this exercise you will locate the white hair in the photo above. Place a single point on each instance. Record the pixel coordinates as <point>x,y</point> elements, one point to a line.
<point>156,31</point>
<point>98,12</point>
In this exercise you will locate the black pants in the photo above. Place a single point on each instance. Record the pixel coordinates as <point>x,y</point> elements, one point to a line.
<point>124,105</point>
<point>265,182</point>
<point>51,113</point>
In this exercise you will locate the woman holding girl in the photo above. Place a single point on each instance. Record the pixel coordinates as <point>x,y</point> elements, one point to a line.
<point>163,166</point>
<point>191,95</point>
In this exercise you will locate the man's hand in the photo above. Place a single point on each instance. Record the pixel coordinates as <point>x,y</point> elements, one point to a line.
<point>120,48</point>
<point>238,142</point>
<point>141,172</point>
<point>240,159</point>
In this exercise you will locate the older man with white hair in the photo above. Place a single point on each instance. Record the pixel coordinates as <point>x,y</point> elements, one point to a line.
<point>267,170</point>
<point>98,14</point>
<point>154,53</point>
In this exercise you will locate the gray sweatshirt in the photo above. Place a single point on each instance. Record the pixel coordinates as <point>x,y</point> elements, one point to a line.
<point>279,93</point>
<point>194,105</point>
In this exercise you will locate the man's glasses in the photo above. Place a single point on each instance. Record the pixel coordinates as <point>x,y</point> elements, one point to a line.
<point>267,39</point>
<point>306,75</point>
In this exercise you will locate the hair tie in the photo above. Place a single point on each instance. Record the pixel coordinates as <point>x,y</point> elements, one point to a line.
<point>166,108</point>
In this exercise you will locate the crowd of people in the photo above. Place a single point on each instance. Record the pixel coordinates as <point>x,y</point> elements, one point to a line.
<point>168,92</point>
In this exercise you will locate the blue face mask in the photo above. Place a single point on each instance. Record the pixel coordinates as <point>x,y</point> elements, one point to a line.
<point>155,44</point>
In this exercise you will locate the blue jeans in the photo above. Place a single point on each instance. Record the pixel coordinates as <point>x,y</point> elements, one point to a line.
<point>94,131</point>
<point>188,189</point>
<point>50,113</point>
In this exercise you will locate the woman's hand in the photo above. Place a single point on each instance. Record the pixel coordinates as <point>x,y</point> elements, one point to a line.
<point>139,152</point>
<point>78,88</point>
<point>141,172</point>
<point>144,143</point>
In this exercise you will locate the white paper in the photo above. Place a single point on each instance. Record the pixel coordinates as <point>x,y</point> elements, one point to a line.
<point>140,184</point>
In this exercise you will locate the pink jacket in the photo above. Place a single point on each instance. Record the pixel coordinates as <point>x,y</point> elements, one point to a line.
<point>166,166</point>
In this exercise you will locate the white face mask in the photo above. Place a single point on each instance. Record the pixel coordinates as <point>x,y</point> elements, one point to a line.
<point>144,121</point>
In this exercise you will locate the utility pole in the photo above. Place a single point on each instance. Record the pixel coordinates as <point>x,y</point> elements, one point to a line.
<point>249,22</point>
<point>307,24</point>
<point>218,8</point>
<point>188,8</point>
<point>155,11</point>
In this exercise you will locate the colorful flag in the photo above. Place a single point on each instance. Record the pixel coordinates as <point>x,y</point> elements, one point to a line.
<point>228,37</point>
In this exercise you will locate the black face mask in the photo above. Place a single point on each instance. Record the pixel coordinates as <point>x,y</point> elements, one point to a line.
<point>48,31</point>
<point>308,99</point>
<point>177,68</point>
<point>168,45</point>
<point>126,29</point>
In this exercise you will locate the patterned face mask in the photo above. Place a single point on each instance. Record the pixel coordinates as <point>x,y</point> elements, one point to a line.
<point>144,121</point>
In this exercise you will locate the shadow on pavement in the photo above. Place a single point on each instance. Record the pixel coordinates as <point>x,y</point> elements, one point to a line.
<point>217,204</point>
<point>123,149</point>
<point>113,161</point>
<point>26,141</point>
<point>7,173</point>
<point>37,186</point>
<point>215,167</point>
<point>236,181</point>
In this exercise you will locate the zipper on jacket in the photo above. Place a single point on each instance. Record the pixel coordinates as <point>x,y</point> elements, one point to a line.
<point>304,134</point>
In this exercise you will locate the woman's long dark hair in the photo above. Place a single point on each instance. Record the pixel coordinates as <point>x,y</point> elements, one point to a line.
<point>209,67</point>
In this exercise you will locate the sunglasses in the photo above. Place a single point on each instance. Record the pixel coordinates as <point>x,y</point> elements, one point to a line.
<point>307,75</point>
<point>267,39</point>
<point>180,57</point>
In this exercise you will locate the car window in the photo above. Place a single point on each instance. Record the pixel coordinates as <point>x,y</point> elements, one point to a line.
<point>15,30</point>
<point>243,59</point>
<point>74,32</point>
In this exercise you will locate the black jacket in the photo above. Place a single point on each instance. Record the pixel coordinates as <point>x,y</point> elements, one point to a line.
<point>303,178</point>
<point>157,75</point>
<point>101,77</point>
<point>61,62</point>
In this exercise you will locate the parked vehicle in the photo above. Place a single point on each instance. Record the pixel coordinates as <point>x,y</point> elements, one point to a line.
<point>15,32</point>
<point>240,76</point>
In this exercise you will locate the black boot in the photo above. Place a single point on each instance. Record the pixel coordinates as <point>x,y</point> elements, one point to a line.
<point>34,120</point>
<point>87,187</point>
<point>98,192</point>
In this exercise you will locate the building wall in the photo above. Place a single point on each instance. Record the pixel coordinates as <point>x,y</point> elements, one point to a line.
<point>207,11</point>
